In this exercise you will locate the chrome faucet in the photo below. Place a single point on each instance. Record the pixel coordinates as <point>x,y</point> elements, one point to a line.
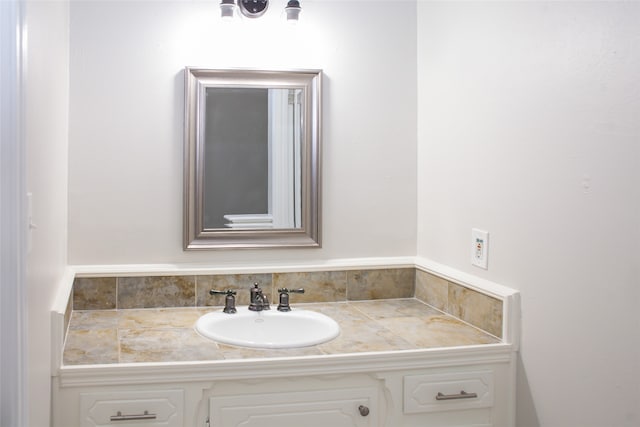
<point>258,301</point>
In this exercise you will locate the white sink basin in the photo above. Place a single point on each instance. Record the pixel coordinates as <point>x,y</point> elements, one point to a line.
<point>269,328</point>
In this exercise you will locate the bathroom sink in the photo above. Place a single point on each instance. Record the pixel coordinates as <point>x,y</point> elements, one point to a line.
<point>268,328</point>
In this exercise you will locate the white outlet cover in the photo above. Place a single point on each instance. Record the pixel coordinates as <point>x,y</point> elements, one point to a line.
<point>479,248</point>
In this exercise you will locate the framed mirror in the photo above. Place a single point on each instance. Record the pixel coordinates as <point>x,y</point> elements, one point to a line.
<point>252,158</point>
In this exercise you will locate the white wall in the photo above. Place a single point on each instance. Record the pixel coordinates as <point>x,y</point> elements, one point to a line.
<point>46,137</point>
<point>529,127</point>
<point>126,109</point>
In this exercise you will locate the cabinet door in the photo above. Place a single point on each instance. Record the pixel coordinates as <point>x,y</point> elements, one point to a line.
<point>319,408</point>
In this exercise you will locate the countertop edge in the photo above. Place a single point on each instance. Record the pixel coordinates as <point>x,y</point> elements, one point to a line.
<point>238,369</point>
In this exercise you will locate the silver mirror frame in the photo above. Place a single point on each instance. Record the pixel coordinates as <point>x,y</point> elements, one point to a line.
<point>196,237</point>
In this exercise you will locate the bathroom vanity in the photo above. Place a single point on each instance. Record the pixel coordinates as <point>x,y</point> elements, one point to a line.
<point>401,361</point>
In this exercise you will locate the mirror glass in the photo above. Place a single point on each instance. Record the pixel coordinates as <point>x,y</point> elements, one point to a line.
<point>252,146</point>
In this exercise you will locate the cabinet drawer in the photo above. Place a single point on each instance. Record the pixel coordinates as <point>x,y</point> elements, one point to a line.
<point>133,408</point>
<point>448,391</point>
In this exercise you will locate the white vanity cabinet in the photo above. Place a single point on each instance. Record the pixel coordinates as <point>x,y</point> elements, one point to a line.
<point>334,401</point>
<point>458,387</point>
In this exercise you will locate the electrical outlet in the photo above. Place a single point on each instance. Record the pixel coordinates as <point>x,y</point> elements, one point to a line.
<point>479,247</point>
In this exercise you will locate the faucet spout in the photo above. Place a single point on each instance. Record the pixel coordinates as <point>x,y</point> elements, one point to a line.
<point>258,300</point>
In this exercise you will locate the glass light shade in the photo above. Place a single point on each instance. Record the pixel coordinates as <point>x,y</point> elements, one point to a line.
<point>227,9</point>
<point>293,11</point>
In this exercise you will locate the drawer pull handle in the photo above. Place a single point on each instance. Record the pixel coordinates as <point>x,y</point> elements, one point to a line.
<point>463,395</point>
<point>133,417</point>
<point>364,411</point>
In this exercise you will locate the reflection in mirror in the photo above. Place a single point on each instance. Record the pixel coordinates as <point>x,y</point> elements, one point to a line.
<point>252,148</point>
<point>252,145</point>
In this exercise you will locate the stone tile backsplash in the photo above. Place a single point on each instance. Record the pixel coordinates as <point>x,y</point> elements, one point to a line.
<point>319,286</point>
<point>104,293</point>
<point>97,293</point>
<point>107,293</point>
<point>156,291</point>
<point>381,284</point>
<point>475,308</point>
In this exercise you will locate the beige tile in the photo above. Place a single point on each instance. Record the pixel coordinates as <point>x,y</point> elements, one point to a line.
<point>340,312</point>
<point>94,293</point>
<point>478,309</point>
<point>436,331</point>
<point>93,319</point>
<point>167,334</point>
<point>319,286</point>
<point>241,283</point>
<point>158,318</point>
<point>360,336</point>
<point>165,345</point>
<point>432,289</point>
<point>151,291</point>
<point>91,346</point>
<point>233,352</point>
<point>380,284</point>
<point>382,309</point>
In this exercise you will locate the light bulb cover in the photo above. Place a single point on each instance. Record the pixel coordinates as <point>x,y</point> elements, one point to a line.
<point>293,10</point>
<point>227,9</point>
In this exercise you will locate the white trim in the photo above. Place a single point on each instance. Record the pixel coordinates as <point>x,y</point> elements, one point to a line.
<point>297,116</point>
<point>13,231</point>
<point>473,282</point>
<point>58,311</point>
<point>58,329</point>
<point>281,165</point>
<point>64,291</point>
<point>279,266</point>
<point>248,220</point>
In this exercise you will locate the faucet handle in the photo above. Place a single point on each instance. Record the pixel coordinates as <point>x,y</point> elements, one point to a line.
<point>229,300</point>
<point>291,291</point>
<point>226,292</point>
<point>284,298</point>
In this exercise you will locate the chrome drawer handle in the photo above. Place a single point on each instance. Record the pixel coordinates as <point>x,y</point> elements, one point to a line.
<point>463,395</point>
<point>133,417</point>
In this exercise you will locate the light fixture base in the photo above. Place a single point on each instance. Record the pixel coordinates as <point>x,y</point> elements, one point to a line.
<point>253,8</point>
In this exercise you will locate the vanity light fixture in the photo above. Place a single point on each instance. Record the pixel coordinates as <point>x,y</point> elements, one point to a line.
<point>257,8</point>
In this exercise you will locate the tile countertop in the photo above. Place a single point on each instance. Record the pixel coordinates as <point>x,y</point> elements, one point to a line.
<point>168,335</point>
